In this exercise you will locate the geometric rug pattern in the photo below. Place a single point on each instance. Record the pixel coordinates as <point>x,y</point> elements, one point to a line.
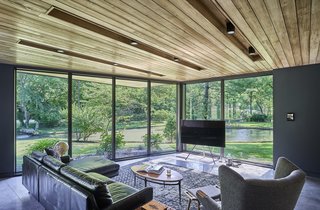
<point>169,195</point>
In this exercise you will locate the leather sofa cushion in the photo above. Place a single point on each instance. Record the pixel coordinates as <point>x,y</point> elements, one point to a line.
<point>97,187</point>
<point>104,179</point>
<point>38,155</point>
<point>119,191</point>
<point>96,164</point>
<point>53,163</point>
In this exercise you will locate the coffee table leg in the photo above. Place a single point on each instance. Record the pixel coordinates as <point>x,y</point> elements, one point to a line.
<point>189,204</point>
<point>180,191</point>
<point>135,179</point>
<point>145,182</point>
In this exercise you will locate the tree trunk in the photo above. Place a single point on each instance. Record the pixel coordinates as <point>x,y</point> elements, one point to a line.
<point>250,102</point>
<point>206,100</point>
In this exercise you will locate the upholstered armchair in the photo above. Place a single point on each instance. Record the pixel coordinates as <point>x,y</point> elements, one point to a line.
<point>237,193</point>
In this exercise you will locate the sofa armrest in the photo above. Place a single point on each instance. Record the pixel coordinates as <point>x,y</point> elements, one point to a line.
<point>207,202</point>
<point>134,200</point>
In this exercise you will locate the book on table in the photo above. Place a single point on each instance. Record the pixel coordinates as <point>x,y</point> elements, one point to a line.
<point>153,169</point>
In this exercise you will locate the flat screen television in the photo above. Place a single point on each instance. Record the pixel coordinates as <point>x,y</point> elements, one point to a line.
<point>203,132</point>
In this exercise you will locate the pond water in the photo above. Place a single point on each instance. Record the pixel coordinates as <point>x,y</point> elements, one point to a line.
<point>247,135</point>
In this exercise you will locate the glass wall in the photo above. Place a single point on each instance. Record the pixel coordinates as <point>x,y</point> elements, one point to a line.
<point>131,118</point>
<point>203,102</point>
<point>91,116</point>
<point>248,114</point>
<point>41,104</point>
<point>163,117</point>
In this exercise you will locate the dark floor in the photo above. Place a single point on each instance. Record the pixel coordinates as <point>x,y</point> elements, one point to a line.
<point>13,195</point>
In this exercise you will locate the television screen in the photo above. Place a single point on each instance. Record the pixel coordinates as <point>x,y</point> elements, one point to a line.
<point>203,132</point>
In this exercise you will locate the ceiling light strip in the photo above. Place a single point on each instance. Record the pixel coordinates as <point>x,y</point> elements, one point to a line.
<point>86,57</point>
<point>83,23</point>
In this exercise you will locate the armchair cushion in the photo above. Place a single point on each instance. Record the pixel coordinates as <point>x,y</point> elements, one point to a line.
<point>284,167</point>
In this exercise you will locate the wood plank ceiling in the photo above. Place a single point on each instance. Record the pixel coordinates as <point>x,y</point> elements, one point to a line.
<point>178,40</point>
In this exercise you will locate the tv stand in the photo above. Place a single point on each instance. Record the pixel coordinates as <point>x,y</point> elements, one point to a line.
<point>203,154</point>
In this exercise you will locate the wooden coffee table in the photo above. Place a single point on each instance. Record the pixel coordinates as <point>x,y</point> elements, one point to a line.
<point>163,179</point>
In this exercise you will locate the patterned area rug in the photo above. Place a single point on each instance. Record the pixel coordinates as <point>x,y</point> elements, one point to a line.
<point>170,194</point>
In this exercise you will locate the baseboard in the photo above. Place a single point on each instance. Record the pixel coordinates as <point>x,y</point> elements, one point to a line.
<point>8,175</point>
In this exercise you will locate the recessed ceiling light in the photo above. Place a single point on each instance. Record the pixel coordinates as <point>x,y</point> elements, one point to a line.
<point>115,64</point>
<point>251,51</point>
<point>60,51</point>
<point>134,43</point>
<point>176,59</point>
<point>230,28</point>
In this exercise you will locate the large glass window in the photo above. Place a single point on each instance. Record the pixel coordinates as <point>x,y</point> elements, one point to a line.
<point>163,117</point>
<point>131,118</point>
<point>41,101</point>
<point>203,102</point>
<point>248,114</point>
<point>91,116</point>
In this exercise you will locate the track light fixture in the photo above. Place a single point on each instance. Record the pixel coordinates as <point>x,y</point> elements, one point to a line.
<point>251,51</point>
<point>230,28</point>
<point>176,59</point>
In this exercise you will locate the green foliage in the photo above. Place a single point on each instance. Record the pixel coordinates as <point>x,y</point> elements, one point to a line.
<point>86,121</point>
<point>170,128</point>
<point>106,142</point>
<point>155,140</point>
<point>159,115</point>
<point>243,98</point>
<point>40,98</point>
<point>258,118</point>
<point>40,145</point>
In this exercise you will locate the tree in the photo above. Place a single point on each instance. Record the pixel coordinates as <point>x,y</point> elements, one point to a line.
<point>155,140</point>
<point>170,128</point>
<point>106,142</point>
<point>41,98</point>
<point>85,121</point>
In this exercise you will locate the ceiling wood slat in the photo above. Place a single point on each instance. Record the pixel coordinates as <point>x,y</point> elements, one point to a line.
<point>263,18</point>
<point>289,13</point>
<point>277,19</point>
<point>283,32</point>
<point>315,31</point>
<point>237,18</point>
<point>304,13</point>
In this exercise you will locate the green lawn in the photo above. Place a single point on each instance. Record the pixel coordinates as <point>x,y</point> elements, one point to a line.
<point>254,151</point>
<point>250,124</point>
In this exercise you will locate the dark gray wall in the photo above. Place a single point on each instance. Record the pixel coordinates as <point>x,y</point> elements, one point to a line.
<point>298,90</point>
<point>7,117</point>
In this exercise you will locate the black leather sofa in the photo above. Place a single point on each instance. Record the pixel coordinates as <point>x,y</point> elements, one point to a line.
<point>59,186</point>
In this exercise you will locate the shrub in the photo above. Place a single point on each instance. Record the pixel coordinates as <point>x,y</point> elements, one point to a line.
<point>258,118</point>
<point>170,128</point>
<point>155,140</point>
<point>106,142</point>
<point>40,145</point>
